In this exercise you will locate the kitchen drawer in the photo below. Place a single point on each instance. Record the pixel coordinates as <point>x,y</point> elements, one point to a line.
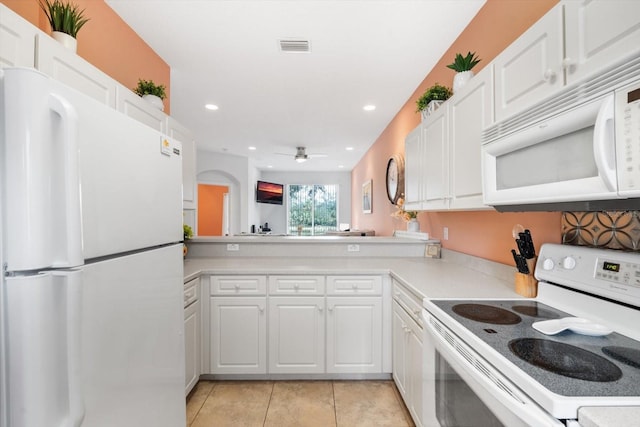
<point>409,301</point>
<point>238,285</point>
<point>296,285</point>
<point>191,292</point>
<point>354,285</point>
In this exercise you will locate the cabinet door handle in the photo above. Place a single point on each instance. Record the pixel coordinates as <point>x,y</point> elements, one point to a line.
<point>261,309</point>
<point>237,287</point>
<point>569,65</point>
<point>296,286</point>
<point>320,309</point>
<point>549,76</point>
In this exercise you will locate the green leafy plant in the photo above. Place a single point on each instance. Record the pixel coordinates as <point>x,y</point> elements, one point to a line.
<point>64,17</point>
<point>188,232</point>
<point>436,92</point>
<point>148,87</point>
<point>464,63</point>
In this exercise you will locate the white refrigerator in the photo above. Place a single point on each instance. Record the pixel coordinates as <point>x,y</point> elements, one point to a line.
<point>91,327</point>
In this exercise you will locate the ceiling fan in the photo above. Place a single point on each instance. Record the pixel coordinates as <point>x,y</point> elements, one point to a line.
<point>301,155</point>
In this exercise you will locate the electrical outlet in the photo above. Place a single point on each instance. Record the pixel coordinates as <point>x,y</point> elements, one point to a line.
<point>445,233</point>
<point>353,248</point>
<point>233,247</point>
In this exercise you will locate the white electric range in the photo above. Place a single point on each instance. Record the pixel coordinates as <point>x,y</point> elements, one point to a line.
<point>486,364</point>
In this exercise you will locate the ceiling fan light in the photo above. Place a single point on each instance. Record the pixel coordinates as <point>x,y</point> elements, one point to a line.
<point>300,159</point>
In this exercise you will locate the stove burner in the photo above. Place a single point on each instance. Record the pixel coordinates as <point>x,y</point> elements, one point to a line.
<point>487,314</point>
<point>564,359</point>
<point>534,311</point>
<point>626,355</point>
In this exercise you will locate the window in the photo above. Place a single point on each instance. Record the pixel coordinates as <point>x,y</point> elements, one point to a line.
<point>312,209</point>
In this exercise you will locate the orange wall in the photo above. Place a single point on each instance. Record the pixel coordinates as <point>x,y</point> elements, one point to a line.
<point>107,43</point>
<point>486,234</point>
<point>210,207</point>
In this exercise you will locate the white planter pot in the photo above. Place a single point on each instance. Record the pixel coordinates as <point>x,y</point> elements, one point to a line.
<point>461,79</point>
<point>155,101</point>
<point>413,225</point>
<point>65,40</point>
<point>431,107</point>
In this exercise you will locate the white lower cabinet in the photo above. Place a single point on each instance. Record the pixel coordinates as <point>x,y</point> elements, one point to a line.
<point>298,324</point>
<point>296,335</point>
<point>407,352</point>
<point>354,334</point>
<point>192,334</point>
<point>238,328</point>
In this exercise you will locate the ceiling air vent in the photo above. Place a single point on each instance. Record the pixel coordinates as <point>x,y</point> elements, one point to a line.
<point>295,46</point>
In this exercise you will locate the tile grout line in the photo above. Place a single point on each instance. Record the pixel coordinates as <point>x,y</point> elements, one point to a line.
<point>203,402</point>
<point>266,412</point>
<point>335,407</point>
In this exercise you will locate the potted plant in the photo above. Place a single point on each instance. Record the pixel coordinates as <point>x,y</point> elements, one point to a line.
<point>151,92</point>
<point>65,19</point>
<point>432,98</point>
<point>463,65</point>
<point>188,234</point>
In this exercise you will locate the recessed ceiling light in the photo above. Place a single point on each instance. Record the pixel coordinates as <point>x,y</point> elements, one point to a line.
<point>269,166</point>
<point>369,107</point>
<point>340,166</point>
<point>349,148</point>
<point>212,107</point>
<point>252,148</point>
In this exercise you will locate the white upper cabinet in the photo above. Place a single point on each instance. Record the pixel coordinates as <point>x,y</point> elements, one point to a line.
<point>17,40</point>
<point>436,179</point>
<point>442,155</point>
<point>63,65</point>
<point>531,68</point>
<point>470,111</point>
<point>414,164</point>
<point>134,106</point>
<point>189,182</point>
<point>599,34</point>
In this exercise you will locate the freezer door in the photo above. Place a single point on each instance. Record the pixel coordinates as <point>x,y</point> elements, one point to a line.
<point>99,346</point>
<point>81,180</point>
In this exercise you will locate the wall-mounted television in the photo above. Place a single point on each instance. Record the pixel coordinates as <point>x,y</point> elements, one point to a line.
<point>269,192</point>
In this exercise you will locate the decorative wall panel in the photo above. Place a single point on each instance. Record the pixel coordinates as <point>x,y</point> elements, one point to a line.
<point>612,230</point>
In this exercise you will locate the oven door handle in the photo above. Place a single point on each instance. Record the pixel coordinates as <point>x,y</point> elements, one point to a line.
<point>483,378</point>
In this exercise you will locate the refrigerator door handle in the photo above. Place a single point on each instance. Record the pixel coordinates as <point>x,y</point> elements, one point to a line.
<point>73,215</point>
<point>73,280</point>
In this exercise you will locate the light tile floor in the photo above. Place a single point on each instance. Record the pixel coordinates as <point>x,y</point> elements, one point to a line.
<point>296,403</point>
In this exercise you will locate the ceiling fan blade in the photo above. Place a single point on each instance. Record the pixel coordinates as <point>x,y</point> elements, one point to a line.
<point>314,156</point>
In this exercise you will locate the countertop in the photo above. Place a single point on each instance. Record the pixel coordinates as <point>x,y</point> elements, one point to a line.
<point>426,277</point>
<point>453,276</point>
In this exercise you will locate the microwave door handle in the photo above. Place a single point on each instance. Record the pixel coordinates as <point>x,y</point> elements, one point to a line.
<point>604,144</point>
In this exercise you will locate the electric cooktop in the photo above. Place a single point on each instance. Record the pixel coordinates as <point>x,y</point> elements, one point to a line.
<point>568,363</point>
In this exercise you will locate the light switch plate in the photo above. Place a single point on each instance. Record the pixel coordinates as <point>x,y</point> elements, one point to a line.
<point>232,247</point>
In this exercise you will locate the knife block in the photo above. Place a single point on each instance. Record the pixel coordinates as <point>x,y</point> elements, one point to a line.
<point>526,284</point>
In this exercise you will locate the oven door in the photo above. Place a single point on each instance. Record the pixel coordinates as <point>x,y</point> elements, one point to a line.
<point>569,157</point>
<point>461,389</point>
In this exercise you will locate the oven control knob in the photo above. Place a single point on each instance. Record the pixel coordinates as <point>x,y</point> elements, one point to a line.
<point>569,263</point>
<point>548,264</point>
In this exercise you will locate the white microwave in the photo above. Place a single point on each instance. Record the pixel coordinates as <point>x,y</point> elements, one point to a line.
<point>585,158</point>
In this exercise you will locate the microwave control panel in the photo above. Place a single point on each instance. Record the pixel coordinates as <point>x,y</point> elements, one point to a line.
<point>627,125</point>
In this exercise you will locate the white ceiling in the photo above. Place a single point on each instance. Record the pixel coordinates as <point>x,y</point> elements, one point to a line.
<point>226,52</point>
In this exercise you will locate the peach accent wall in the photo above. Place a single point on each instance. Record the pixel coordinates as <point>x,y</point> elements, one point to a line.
<point>210,207</point>
<point>486,234</point>
<point>108,43</point>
